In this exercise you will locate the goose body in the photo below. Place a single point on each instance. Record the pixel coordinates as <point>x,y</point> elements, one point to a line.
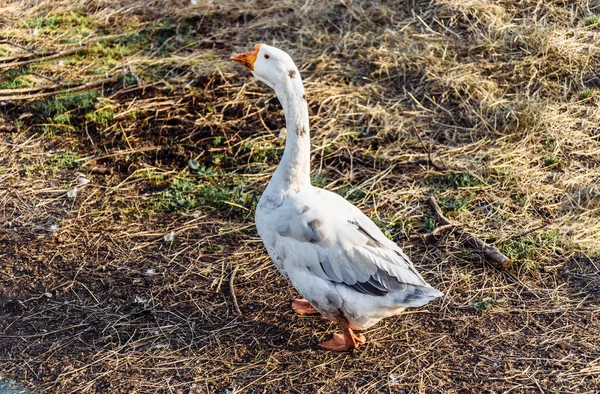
<point>332,253</point>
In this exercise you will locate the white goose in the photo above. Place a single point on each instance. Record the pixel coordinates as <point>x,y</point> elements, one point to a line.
<point>331,252</point>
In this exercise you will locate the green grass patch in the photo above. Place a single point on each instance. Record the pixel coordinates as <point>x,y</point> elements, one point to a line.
<point>173,34</point>
<point>64,118</point>
<point>391,227</point>
<point>484,304</point>
<point>592,20</point>
<point>454,203</point>
<point>197,169</point>
<point>74,21</point>
<point>59,114</point>
<point>58,105</point>
<point>455,180</point>
<point>259,153</point>
<point>18,82</point>
<point>586,94</point>
<point>529,252</point>
<point>16,78</point>
<point>152,177</point>
<point>429,224</point>
<point>550,161</point>
<point>159,39</point>
<point>353,195</point>
<point>113,53</point>
<point>188,192</point>
<point>66,159</point>
<point>319,179</point>
<point>52,129</point>
<point>101,116</point>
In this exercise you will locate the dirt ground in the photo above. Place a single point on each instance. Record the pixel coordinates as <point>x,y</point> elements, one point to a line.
<point>133,152</point>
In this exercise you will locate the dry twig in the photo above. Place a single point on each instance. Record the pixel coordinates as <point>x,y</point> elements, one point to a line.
<point>38,88</point>
<point>21,56</point>
<point>429,160</point>
<point>66,52</point>
<point>14,44</point>
<point>232,289</point>
<point>46,55</point>
<point>489,251</point>
<point>79,88</point>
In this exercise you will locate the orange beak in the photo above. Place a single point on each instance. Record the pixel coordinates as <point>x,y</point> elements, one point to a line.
<point>247,59</point>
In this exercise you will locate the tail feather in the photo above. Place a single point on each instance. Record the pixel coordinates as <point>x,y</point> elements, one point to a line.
<point>415,296</point>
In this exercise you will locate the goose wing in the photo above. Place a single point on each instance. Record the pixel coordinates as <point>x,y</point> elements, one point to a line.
<point>337,242</point>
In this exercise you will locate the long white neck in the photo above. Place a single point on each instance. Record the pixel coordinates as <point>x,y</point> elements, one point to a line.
<point>293,171</point>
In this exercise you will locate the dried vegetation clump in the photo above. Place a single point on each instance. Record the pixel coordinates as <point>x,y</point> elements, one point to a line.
<point>122,283</point>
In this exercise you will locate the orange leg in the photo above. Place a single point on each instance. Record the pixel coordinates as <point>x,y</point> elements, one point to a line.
<point>345,341</point>
<point>303,307</point>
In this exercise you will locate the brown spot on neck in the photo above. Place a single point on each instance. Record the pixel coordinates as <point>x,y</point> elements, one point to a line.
<point>292,74</point>
<point>301,131</point>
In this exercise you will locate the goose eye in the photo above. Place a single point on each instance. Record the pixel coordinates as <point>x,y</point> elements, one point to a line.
<point>267,56</point>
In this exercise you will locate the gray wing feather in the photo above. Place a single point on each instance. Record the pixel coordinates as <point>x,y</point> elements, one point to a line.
<point>358,255</point>
<point>327,268</point>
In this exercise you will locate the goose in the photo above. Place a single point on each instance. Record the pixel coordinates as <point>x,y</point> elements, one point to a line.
<point>332,253</point>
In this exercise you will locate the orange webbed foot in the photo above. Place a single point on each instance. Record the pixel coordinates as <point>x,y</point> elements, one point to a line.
<point>335,344</point>
<point>339,344</point>
<point>343,342</point>
<point>303,307</point>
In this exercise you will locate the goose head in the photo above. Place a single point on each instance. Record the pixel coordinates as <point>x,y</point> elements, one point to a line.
<point>269,65</point>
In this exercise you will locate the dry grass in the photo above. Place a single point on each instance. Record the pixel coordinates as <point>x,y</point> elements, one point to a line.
<point>123,285</point>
